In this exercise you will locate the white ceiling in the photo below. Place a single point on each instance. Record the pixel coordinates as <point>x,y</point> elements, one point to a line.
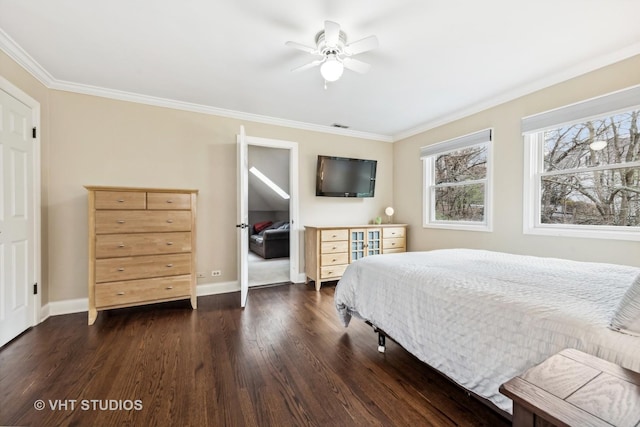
<point>437,60</point>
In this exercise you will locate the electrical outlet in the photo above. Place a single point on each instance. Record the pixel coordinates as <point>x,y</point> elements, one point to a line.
<point>200,275</point>
<point>216,273</point>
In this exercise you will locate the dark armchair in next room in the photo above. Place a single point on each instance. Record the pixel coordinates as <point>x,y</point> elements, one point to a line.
<point>270,239</point>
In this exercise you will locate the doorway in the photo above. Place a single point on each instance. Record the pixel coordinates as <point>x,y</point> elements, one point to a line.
<point>269,215</point>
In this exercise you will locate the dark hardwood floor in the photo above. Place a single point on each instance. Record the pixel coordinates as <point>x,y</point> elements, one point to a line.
<point>283,360</point>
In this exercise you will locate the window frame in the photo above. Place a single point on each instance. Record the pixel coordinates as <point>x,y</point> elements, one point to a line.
<point>534,167</point>
<point>429,186</point>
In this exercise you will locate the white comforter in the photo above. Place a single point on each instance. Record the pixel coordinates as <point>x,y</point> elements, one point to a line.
<point>484,317</point>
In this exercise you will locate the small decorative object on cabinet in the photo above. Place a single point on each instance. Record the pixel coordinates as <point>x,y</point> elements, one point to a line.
<point>141,247</point>
<point>328,250</point>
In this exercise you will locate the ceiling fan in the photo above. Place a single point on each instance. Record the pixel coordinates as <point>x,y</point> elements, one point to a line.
<point>334,54</point>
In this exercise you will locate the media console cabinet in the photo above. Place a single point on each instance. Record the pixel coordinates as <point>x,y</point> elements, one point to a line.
<point>329,250</point>
<point>141,247</point>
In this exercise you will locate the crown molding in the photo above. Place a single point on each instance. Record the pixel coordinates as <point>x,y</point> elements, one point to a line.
<point>526,89</point>
<point>19,55</point>
<point>206,109</point>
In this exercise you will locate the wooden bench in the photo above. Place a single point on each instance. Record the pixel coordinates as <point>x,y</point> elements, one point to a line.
<point>572,388</point>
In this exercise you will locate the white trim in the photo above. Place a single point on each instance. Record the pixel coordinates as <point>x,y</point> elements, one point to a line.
<point>205,289</point>
<point>19,55</point>
<point>23,97</point>
<point>68,306</point>
<point>533,157</point>
<point>294,201</point>
<point>428,155</point>
<point>569,73</point>
<point>81,305</point>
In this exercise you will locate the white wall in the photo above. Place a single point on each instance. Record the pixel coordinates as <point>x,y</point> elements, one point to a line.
<point>508,175</point>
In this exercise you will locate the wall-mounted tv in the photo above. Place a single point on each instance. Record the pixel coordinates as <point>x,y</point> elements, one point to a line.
<point>345,177</point>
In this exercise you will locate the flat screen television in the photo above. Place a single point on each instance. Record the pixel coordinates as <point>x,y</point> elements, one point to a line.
<point>345,177</point>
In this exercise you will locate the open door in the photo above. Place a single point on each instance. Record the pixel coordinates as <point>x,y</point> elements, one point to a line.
<point>243,217</point>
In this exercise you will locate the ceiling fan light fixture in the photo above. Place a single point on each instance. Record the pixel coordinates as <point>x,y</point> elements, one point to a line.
<point>332,68</point>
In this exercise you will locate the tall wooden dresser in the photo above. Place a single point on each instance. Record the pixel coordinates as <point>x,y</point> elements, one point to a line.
<point>329,250</point>
<point>141,247</point>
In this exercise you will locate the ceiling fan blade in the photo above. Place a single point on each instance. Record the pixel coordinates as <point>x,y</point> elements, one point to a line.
<point>302,47</point>
<point>309,65</point>
<point>356,65</point>
<point>331,33</point>
<point>362,45</point>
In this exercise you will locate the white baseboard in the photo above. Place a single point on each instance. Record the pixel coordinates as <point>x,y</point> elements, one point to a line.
<point>79,305</point>
<point>217,288</point>
<point>57,308</point>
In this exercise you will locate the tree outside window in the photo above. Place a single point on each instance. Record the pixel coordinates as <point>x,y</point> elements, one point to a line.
<point>457,187</point>
<point>590,172</point>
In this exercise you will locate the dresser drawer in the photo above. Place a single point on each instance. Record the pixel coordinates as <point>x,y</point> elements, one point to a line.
<point>394,243</point>
<point>333,235</point>
<point>334,247</point>
<point>146,290</point>
<point>121,245</point>
<point>140,267</point>
<point>332,271</point>
<point>334,259</point>
<point>108,222</point>
<point>168,201</point>
<point>120,200</point>
<point>392,232</point>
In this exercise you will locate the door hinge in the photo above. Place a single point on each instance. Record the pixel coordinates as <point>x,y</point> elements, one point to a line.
<point>34,132</point>
<point>35,289</point>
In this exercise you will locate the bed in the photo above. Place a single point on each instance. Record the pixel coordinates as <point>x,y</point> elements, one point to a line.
<point>483,317</point>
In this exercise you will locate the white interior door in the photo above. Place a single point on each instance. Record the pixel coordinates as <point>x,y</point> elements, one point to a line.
<point>18,218</point>
<point>243,217</point>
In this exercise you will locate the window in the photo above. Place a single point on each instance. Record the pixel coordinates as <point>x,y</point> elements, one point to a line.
<point>582,169</point>
<point>457,186</point>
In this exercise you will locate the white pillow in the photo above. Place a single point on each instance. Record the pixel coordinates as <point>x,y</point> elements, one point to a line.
<point>627,316</point>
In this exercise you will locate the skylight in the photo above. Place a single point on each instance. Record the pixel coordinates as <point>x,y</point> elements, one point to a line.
<point>272,185</point>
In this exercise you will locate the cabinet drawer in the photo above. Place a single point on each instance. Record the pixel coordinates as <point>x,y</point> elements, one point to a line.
<point>146,290</point>
<point>108,222</point>
<point>393,243</point>
<point>333,235</point>
<point>120,200</point>
<point>332,271</point>
<point>168,201</point>
<point>394,250</point>
<point>334,259</point>
<point>121,245</point>
<point>392,232</point>
<point>334,247</point>
<point>142,267</point>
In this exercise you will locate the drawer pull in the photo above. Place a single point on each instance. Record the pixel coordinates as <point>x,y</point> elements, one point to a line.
<point>169,265</point>
<point>120,200</point>
<point>170,221</point>
<point>169,243</point>
<point>121,245</point>
<point>335,247</point>
<point>120,293</point>
<point>169,201</point>
<point>333,260</point>
<point>120,221</point>
<point>169,287</point>
<point>121,269</point>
